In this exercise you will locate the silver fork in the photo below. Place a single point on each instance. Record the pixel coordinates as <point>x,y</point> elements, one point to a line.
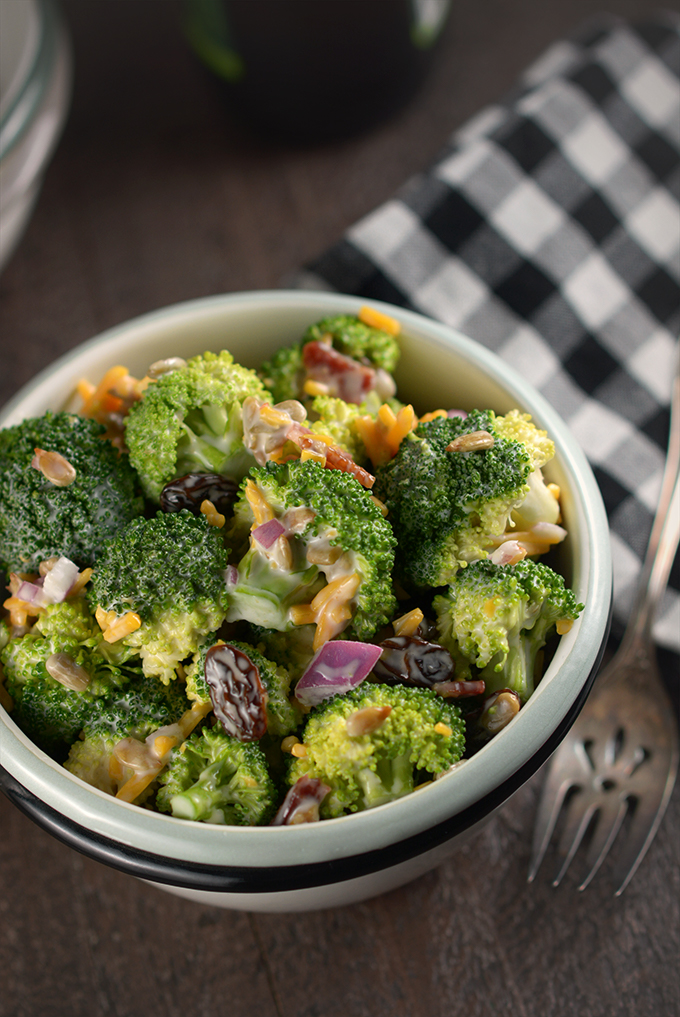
<point>618,763</point>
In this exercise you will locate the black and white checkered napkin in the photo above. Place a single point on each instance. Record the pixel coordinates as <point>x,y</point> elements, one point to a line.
<point>549,231</point>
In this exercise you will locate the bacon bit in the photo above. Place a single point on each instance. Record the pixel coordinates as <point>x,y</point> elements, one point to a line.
<point>408,624</point>
<point>214,517</point>
<point>259,505</point>
<point>433,416</point>
<point>122,626</point>
<point>376,319</point>
<point>564,625</point>
<point>343,376</point>
<point>54,467</point>
<point>366,721</point>
<point>336,457</point>
<point>383,436</point>
<point>473,441</point>
<point>443,729</point>
<point>459,690</point>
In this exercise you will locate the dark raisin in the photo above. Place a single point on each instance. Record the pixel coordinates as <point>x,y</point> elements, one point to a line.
<point>408,660</point>
<point>236,691</point>
<point>190,491</point>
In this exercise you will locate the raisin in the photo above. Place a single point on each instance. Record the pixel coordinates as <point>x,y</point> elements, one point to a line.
<point>408,660</point>
<point>190,491</point>
<point>236,691</point>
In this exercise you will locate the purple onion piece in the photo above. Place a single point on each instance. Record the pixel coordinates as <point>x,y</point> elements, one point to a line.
<point>31,593</point>
<point>340,665</point>
<point>268,533</point>
<point>457,413</point>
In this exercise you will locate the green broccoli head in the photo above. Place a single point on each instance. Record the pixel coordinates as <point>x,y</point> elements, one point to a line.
<point>66,639</point>
<point>444,505</point>
<point>284,373</point>
<point>38,518</point>
<point>283,716</point>
<point>141,706</point>
<point>292,648</point>
<point>417,733</point>
<point>189,421</point>
<point>216,779</point>
<point>335,417</point>
<point>335,534</point>
<point>500,616</point>
<point>355,339</point>
<point>169,570</point>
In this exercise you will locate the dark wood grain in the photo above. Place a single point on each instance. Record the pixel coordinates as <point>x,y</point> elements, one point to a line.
<point>156,196</point>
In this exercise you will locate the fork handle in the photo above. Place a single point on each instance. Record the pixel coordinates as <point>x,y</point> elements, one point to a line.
<point>663,541</point>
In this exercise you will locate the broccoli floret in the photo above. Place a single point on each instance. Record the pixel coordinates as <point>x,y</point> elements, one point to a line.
<point>134,711</point>
<point>445,505</point>
<point>189,421</point>
<point>352,337</point>
<point>217,779</point>
<point>168,570</point>
<point>337,535</point>
<point>500,616</point>
<point>39,519</point>
<point>284,374</point>
<point>335,417</point>
<point>293,648</point>
<point>51,714</point>
<point>283,716</point>
<point>421,731</point>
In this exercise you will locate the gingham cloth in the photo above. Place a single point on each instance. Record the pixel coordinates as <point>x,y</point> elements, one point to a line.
<point>549,231</point>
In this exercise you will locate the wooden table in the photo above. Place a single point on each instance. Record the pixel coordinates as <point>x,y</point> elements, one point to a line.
<point>156,196</point>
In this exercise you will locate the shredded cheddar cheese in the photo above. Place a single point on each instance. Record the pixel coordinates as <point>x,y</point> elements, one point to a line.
<point>376,319</point>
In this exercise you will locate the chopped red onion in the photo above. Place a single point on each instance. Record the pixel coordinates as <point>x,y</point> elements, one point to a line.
<point>59,580</point>
<point>457,413</point>
<point>230,576</point>
<point>268,533</point>
<point>31,593</point>
<point>340,665</point>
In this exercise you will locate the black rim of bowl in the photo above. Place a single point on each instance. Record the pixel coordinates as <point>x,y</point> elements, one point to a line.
<point>253,880</point>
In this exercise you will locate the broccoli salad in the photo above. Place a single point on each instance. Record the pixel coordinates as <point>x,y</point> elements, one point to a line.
<point>274,596</point>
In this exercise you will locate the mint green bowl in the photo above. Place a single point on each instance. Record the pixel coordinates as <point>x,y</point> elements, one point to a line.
<point>342,860</point>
